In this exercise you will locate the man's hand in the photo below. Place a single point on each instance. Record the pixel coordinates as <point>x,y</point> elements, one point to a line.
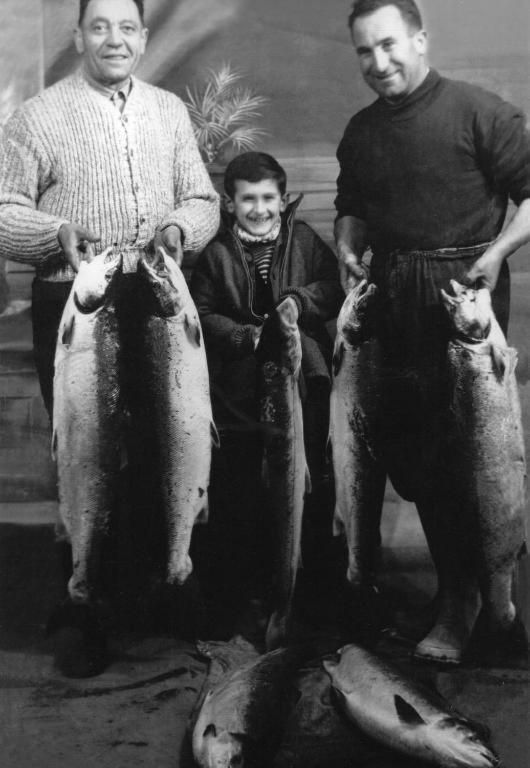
<point>485,271</point>
<point>76,242</point>
<point>351,271</point>
<point>170,239</point>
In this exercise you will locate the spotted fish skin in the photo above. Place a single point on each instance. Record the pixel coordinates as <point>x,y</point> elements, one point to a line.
<point>403,715</point>
<point>486,462</point>
<point>175,382</point>
<point>279,356</point>
<point>358,469</point>
<point>87,418</point>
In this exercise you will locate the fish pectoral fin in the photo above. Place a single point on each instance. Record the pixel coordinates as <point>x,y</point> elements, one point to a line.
<point>308,485</point>
<point>407,713</point>
<point>54,445</point>
<point>498,360</point>
<point>330,665</point>
<point>216,440</point>
<point>338,354</point>
<point>210,729</point>
<point>193,329</point>
<point>202,517</point>
<point>67,331</point>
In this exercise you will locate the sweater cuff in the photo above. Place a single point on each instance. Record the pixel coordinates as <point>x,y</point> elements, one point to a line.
<point>243,339</point>
<point>298,297</point>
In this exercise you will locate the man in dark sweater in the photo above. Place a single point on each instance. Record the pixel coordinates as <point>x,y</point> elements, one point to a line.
<point>426,172</point>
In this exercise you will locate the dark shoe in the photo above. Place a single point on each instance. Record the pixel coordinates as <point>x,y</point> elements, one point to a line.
<point>79,640</point>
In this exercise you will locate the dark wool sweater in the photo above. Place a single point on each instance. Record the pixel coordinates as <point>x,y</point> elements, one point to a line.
<point>435,171</point>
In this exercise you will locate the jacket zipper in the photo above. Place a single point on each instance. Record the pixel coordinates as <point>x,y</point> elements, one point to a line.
<point>247,270</point>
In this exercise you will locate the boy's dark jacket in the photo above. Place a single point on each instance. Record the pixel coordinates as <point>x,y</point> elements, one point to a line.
<point>223,288</point>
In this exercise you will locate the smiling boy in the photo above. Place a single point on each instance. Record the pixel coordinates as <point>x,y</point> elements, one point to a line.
<point>261,256</point>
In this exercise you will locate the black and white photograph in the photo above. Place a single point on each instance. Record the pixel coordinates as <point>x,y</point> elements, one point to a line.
<point>264,383</point>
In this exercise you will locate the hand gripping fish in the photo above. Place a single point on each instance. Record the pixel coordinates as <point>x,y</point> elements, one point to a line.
<point>176,380</point>
<point>87,418</point>
<point>403,715</point>
<point>486,461</point>
<point>359,474</point>
<point>279,355</point>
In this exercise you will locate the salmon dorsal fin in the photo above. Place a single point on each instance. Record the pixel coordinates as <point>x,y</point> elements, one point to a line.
<point>406,712</point>
<point>67,331</point>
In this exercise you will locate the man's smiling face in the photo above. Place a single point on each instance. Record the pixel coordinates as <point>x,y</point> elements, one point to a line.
<point>111,40</point>
<point>391,53</point>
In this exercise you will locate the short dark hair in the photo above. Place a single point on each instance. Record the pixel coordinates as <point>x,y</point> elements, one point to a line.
<point>84,3</point>
<point>253,167</point>
<point>407,8</point>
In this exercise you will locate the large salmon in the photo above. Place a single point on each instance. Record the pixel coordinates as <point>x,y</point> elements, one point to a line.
<point>359,472</point>
<point>403,715</point>
<point>175,381</point>
<point>87,418</point>
<point>279,355</point>
<point>486,461</point>
<point>241,719</point>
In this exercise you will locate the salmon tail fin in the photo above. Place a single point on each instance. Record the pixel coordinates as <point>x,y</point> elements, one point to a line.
<point>54,445</point>
<point>193,329</point>
<point>407,713</point>
<point>499,361</point>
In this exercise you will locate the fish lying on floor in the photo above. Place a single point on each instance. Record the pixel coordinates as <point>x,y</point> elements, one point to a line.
<point>359,472</point>
<point>87,417</point>
<point>279,356</point>
<point>487,457</point>
<point>175,377</point>
<point>403,715</point>
<point>241,718</point>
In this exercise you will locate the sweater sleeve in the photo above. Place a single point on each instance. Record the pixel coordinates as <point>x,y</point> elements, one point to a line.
<point>320,299</point>
<point>224,336</point>
<point>503,143</point>
<point>27,235</point>
<point>348,201</point>
<point>196,209</point>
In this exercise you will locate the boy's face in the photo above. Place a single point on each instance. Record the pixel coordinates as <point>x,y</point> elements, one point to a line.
<point>257,205</point>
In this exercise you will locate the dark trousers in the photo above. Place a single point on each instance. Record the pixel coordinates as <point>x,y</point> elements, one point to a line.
<point>48,301</point>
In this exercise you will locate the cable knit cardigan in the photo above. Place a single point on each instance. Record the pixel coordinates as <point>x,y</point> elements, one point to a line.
<point>68,155</point>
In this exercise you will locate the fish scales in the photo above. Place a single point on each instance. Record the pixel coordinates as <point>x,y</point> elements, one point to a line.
<point>279,355</point>
<point>487,457</point>
<point>175,377</point>
<point>404,715</point>
<point>87,421</point>
<point>355,397</point>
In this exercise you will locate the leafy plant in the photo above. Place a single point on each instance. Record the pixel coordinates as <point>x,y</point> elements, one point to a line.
<point>223,114</point>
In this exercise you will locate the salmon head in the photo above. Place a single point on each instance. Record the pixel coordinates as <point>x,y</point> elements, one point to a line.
<point>280,345</point>
<point>219,749</point>
<point>164,277</point>
<point>455,741</point>
<point>93,278</point>
<point>355,320</point>
<point>470,311</point>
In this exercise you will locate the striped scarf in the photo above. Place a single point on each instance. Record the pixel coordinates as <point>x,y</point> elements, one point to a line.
<point>260,248</point>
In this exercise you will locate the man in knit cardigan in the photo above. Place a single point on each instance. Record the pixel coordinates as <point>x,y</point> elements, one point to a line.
<point>98,159</point>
